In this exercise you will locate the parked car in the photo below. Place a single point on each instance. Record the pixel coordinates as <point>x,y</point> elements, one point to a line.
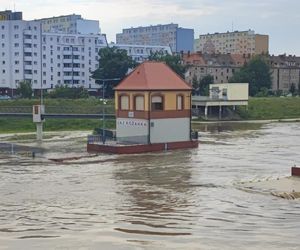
<point>4,97</point>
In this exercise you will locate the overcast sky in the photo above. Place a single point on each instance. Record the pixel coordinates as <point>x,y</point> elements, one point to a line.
<point>279,19</point>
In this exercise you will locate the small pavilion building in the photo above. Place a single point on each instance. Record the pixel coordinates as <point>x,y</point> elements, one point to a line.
<point>153,109</point>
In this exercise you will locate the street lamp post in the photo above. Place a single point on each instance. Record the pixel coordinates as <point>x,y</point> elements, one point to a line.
<point>103,108</point>
<point>72,62</point>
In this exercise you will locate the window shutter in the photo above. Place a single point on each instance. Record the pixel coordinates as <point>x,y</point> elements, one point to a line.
<point>139,103</point>
<point>124,102</point>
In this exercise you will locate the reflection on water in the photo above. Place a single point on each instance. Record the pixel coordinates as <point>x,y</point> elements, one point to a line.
<point>182,199</point>
<point>151,188</point>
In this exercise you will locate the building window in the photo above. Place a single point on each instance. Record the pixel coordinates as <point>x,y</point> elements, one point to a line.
<point>124,102</point>
<point>157,103</point>
<point>180,105</point>
<point>139,103</point>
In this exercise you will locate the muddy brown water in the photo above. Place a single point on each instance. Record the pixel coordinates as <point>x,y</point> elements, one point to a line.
<point>186,199</point>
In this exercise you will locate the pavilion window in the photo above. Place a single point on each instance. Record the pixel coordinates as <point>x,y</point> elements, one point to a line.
<point>179,102</point>
<point>157,103</point>
<point>139,103</point>
<point>124,102</point>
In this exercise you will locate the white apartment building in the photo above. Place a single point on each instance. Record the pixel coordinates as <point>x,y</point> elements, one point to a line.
<point>46,59</point>
<point>70,58</point>
<point>140,53</point>
<point>237,42</point>
<point>20,50</point>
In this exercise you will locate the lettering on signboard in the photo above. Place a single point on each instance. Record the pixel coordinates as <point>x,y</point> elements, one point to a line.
<point>132,123</point>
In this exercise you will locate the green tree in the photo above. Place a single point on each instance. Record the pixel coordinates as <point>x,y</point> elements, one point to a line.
<point>24,90</point>
<point>204,85</point>
<point>173,61</point>
<point>68,93</point>
<point>114,63</point>
<point>257,73</point>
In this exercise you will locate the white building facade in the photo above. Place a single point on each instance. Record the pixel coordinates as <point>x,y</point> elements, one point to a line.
<point>46,59</point>
<point>140,53</point>
<point>69,59</point>
<point>20,52</point>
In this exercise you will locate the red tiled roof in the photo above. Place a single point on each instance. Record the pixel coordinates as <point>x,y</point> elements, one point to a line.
<point>194,58</point>
<point>153,76</point>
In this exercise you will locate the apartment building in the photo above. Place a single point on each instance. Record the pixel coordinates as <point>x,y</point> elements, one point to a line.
<point>285,70</point>
<point>68,59</point>
<point>46,59</point>
<point>179,39</point>
<point>71,24</point>
<point>20,51</point>
<point>9,15</point>
<point>220,66</point>
<point>140,53</point>
<point>237,42</point>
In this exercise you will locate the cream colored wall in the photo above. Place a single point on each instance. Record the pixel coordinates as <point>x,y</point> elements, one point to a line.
<point>235,91</point>
<point>170,100</point>
<point>261,44</point>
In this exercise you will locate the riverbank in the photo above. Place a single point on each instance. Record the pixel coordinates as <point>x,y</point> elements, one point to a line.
<point>271,108</point>
<point>285,187</point>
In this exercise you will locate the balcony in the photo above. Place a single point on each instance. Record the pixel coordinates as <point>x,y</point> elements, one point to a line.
<point>27,32</point>
<point>76,52</point>
<point>28,67</point>
<point>76,69</point>
<point>68,78</point>
<point>67,52</point>
<point>27,58</point>
<point>69,69</point>
<point>72,78</point>
<point>77,61</point>
<point>76,77</point>
<point>28,40</point>
<point>28,76</point>
<point>27,50</point>
<point>67,61</point>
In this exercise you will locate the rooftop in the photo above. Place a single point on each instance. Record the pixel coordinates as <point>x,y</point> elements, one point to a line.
<point>153,76</point>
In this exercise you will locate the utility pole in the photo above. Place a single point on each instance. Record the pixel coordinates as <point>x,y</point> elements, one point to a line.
<point>103,108</point>
<point>72,65</point>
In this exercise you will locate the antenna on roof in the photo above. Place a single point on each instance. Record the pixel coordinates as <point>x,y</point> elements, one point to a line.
<point>232,26</point>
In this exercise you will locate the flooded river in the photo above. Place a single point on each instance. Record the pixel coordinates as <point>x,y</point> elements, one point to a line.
<point>187,199</point>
